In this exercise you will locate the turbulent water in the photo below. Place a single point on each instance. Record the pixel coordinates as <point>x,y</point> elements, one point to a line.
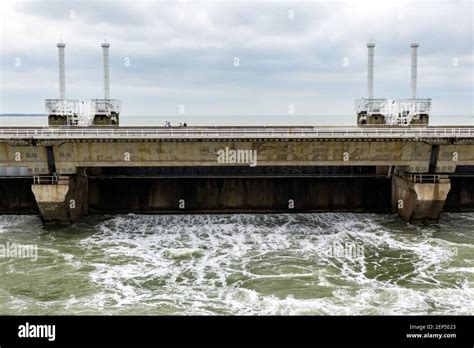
<point>240,264</point>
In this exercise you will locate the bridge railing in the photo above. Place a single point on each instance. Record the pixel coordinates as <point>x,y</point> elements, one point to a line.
<point>50,179</point>
<point>45,179</point>
<point>324,132</point>
<point>425,178</point>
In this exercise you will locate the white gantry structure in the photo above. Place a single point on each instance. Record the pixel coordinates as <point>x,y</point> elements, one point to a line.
<point>62,111</point>
<point>401,112</point>
<point>70,112</point>
<point>106,111</point>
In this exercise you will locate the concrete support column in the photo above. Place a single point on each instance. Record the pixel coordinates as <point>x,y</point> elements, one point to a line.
<point>64,201</point>
<point>418,198</point>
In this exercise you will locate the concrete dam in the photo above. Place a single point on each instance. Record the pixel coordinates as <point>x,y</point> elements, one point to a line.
<point>84,162</point>
<point>63,174</point>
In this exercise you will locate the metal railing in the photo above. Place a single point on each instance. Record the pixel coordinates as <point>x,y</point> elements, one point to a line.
<point>50,179</point>
<point>414,106</point>
<point>425,178</point>
<point>163,133</point>
<point>64,107</point>
<point>421,177</point>
<point>45,179</point>
<point>370,106</point>
<point>105,106</point>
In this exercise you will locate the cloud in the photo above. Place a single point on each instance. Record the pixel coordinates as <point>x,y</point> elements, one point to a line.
<point>289,53</point>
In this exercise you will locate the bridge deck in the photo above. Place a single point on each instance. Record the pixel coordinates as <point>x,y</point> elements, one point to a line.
<point>235,132</point>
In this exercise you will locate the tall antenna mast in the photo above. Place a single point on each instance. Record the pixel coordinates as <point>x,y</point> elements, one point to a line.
<point>62,75</point>
<point>105,52</point>
<point>414,63</point>
<point>370,70</point>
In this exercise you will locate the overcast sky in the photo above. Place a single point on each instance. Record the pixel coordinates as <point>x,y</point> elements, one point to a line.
<point>311,55</point>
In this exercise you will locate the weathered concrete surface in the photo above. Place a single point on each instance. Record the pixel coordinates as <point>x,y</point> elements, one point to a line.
<point>63,202</point>
<point>104,120</point>
<point>232,195</point>
<point>57,120</point>
<point>450,156</point>
<point>423,119</point>
<point>412,156</point>
<point>51,200</point>
<point>69,156</point>
<point>371,120</point>
<point>418,202</point>
<point>140,195</point>
<point>16,196</point>
<point>33,157</point>
<point>461,195</point>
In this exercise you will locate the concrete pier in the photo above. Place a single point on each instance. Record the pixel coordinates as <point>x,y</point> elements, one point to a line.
<point>62,201</point>
<point>409,171</point>
<point>420,201</point>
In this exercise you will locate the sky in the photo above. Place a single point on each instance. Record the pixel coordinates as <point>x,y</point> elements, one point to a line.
<point>236,57</point>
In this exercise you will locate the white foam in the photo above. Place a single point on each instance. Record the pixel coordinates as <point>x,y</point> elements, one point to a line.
<point>270,264</point>
<point>183,253</point>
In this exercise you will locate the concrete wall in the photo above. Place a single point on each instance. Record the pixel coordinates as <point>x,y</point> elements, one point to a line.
<point>452,155</point>
<point>23,154</point>
<point>461,196</point>
<point>371,120</point>
<point>421,120</point>
<point>239,195</point>
<point>69,156</point>
<point>16,196</point>
<point>104,120</point>
<point>413,156</point>
<point>57,120</point>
